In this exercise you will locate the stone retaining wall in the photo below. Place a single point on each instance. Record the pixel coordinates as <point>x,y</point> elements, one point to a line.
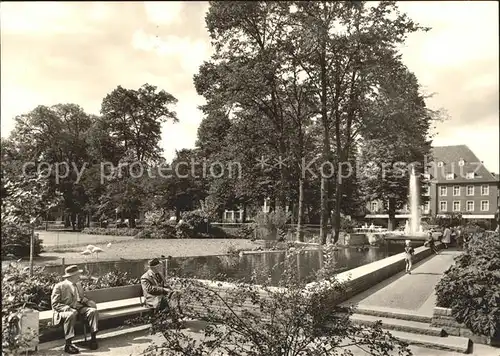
<point>358,279</point>
<point>442,318</point>
<point>364,277</point>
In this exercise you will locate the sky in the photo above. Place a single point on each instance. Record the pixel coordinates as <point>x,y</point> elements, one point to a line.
<point>77,52</point>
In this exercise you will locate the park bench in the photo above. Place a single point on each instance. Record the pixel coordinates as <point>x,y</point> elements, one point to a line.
<point>112,303</point>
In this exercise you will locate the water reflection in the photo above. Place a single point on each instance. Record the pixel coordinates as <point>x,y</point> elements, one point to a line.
<point>270,264</point>
<point>252,267</point>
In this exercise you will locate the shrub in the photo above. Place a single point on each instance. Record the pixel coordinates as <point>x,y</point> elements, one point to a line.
<point>110,279</point>
<point>163,232</point>
<point>197,220</point>
<point>471,287</point>
<point>271,224</point>
<point>246,231</point>
<point>16,241</point>
<point>19,289</point>
<point>216,231</point>
<point>155,217</point>
<point>347,225</point>
<point>111,232</point>
<point>261,321</point>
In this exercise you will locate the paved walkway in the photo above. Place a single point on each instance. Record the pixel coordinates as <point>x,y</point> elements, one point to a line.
<point>413,291</point>
<point>135,344</point>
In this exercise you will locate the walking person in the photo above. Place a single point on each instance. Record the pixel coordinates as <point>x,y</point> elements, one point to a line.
<point>446,239</point>
<point>68,302</point>
<point>431,244</point>
<point>460,238</point>
<point>409,252</point>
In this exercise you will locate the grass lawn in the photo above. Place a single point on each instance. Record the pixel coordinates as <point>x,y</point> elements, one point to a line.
<point>144,249</point>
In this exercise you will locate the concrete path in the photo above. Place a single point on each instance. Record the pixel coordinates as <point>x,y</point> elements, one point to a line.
<point>414,292</point>
<point>135,344</point>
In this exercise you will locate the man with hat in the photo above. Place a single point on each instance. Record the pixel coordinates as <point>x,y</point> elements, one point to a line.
<point>68,302</point>
<point>156,294</point>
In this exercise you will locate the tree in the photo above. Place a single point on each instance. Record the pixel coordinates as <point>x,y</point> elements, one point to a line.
<point>181,188</point>
<point>135,118</point>
<point>242,75</point>
<point>28,198</point>
<point>56,136</point>
<point>340,45</point>
<point>400,142</point>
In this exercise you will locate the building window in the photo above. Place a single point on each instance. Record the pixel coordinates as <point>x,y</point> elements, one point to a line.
<point>485,205</point>
<point>456,191</point>
<point>426,191</point>
<point>443,206</point>
<point>470,206</point>
<point>461,162</point>
<point>443,191</point>
<point>450,176</point>
<point>470,190</point>
<point>374,206</point>
<point>470,175</point>
<point>427,207</point>
<point>485,190</point>
<point>440,163</point>
<point>456,206</point>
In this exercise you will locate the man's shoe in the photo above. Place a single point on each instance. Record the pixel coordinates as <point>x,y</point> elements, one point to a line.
<point>93,345</point>
<point>71,349</point>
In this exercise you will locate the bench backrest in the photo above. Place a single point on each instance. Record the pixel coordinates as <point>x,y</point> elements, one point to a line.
<point>115,293</point>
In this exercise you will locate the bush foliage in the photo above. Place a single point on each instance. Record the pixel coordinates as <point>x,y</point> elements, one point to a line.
<point>246,319</point>
<point>122,231</point>
<point>19,289</point>
<point>471,287</point>
<point>271,225</point>
<point>16,241</point>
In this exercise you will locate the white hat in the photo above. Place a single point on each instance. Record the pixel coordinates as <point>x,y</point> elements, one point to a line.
<point>71,271</point>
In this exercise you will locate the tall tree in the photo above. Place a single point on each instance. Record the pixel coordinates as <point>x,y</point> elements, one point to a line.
<point>56,136</point>
<point>339,45</point>
<point>134,118</point>
<point>244,70</point>
<point>402,138</point>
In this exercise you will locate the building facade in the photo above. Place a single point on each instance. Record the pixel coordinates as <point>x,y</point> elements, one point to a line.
<point>461,184</point>
<point>458,183</point>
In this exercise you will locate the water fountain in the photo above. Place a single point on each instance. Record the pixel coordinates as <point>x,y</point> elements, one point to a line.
<point>413,227</point>
<point>414,204</point>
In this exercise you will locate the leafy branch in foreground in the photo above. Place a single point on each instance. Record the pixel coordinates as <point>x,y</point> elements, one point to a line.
<point>289,319</point>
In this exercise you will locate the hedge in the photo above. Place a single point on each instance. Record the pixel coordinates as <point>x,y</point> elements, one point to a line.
<point>471,287</point>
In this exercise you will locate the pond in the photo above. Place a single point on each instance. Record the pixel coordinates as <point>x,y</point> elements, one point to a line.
<point>270,265</point>
<point>248,267</point>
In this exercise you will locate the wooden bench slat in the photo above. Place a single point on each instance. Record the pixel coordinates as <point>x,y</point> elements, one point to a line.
<point>114,293</point>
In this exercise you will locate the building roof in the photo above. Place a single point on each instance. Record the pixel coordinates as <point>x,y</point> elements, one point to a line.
<point>450,156</point>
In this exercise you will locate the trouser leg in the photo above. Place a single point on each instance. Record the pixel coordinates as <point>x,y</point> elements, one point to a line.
<point>69,319</point>
<point>91,316</point>
<point>164,305</point>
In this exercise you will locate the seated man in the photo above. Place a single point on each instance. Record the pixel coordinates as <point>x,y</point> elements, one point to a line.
<point>68,302</point>
<point>156,294</point>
